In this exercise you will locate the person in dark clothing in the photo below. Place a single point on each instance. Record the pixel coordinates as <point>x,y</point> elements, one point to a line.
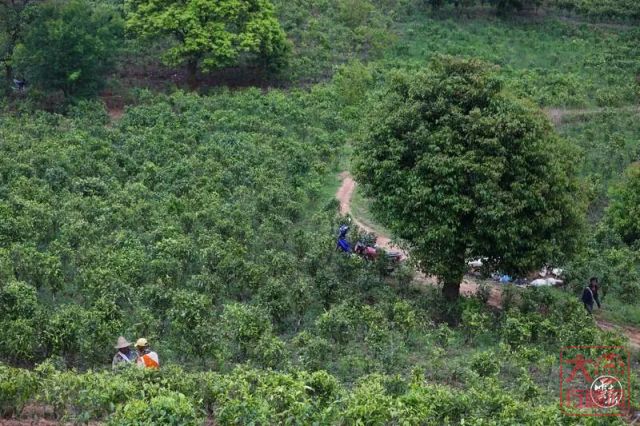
<point>19,84</point>
<point>588,298</point>
<point>594,282</point>
<point>342,232</point>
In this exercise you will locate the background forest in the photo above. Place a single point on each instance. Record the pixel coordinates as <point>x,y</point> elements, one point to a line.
<point>168,170</point>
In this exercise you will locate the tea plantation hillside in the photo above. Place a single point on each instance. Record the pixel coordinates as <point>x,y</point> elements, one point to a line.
<point>168,171</point>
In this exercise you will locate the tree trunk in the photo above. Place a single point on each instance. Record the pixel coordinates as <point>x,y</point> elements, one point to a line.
<point>451,289</point>
<point>451,293</point>
<point>8,71</point>
<point>192,70</point>
<point>8,74</point>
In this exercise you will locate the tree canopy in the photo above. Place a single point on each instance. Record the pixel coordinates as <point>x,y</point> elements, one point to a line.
<point>12,20</point>
<point>459,169</point>
<point>69,46</point>
<point>210,34</point>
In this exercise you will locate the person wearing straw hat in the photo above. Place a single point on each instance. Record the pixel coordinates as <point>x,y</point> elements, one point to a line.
<point>146,357</point>
<point>124,355</point>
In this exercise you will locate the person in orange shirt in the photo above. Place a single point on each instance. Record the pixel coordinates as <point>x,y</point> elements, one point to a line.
<point>146,357</point>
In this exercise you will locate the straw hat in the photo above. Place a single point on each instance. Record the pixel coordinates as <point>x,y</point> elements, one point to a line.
<point>142,343</point>
<point>122,343</point>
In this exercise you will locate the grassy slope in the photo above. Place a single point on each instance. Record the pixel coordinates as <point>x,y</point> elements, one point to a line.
<point>556,63</point>
<point>620,312</point>
<point>444,353</point>
<point>561,64</point>
<point>609,141</point>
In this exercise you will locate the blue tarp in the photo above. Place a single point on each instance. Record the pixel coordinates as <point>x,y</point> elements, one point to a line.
<point>344,245</point>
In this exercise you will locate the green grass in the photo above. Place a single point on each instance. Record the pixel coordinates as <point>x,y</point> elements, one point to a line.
<point>620,312</point>
<point>609,141</point>
<point>361,209</point>
<point>557,63</point>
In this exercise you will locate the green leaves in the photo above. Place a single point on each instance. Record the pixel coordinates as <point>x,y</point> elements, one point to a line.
<point>210,34</point>
<point>461,170</point>
<point>169,408</point>
<point>69,46</point>
<point>624,211</point>
<point>149,227</point>
<point>20,321</point>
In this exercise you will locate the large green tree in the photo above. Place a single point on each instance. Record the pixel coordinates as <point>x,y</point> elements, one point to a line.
<point>70,46</point>
<point>210,34</point>
<point>459,169</point>
<point>13,15</point>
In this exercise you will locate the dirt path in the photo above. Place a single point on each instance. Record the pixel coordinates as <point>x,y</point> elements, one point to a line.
<point>344,195</point>
<point>115,106</point>
<point>468,286</point>
<point>632,333</point>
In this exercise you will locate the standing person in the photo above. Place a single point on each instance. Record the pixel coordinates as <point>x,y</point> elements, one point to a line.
<point>146,357</point>
<point>342,232</point>
<point>594,282</point>
<point>124,355</point>
<point>343,244</point>
<point>588,298</point>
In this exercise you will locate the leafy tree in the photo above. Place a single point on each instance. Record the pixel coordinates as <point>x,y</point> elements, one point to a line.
<point>12,21</point>
<point>459,169</point>
<point>19,321</point>
<point>210,34</point>
<point>624,210</point>
<point>70,46</point>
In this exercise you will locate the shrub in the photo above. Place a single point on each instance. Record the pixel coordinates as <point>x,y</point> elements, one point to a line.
<point>485,363</point>
<point>244,325</point>
<point>170,408</point>
<point>339,324</point>
<point>17,387</point>
<point>270,352</point>
<point>369,402</point>
<point>474,322</point>
<point>484,292</point>
<point>516,330</point>
<point>70,46</point>
<point>623,213</point>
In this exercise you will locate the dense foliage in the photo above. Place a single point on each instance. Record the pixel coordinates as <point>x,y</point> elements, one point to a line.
<point>211,34</point>
<point>205,223</point>
<point>69,46</point>
<point>460,170</point>
<point>558,64</point>
<point>508,372</point>
<point>12,22</point>
<point>330,32</point>
<point>624,211</point>
<point>618,9</point>
<point>186,203</point>
<point>609,143</point>
<point>502,7</point>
